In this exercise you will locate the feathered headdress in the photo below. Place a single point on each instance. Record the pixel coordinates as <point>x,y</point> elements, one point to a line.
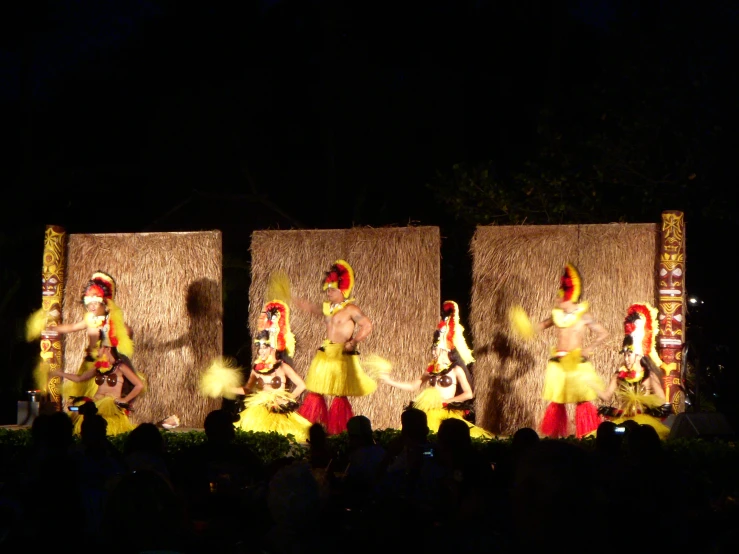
<point>275,319</point>
<point>340,276</point>
<point>449,334</point>
<point>102,286</point>
<point>570,284</point>
<point>640,335</point>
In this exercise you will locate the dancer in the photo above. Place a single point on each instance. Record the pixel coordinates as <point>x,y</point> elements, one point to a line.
<point>103,323</point>
<point>570,376</point>
<point>117,384</point>
<point>335,369</point>
<point>637,385</point>
<point>449,393</point>
<point>103,319</point>
<point>269,406</point>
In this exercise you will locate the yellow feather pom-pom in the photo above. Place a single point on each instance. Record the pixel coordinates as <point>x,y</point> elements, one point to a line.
<point>521,323</point>
<point>221,377</point>
<point>36,324</point>
<point>278,287</point>
<point>375,365</point>
<point>41,376</point>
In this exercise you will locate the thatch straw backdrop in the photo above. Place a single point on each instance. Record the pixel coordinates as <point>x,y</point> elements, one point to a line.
<point>169,288</point>
<point>522,265</point>
<point>397,273</point>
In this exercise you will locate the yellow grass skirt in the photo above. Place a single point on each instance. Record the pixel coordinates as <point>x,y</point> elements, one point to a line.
<point>335,373</point>
<point>258,416</point>
<point>430,402</point>
<point>118,421</point>
<point>571,380</point>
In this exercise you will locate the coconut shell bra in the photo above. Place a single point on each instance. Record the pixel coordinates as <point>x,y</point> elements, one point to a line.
<point>440,375</point>
<point>267,369</point>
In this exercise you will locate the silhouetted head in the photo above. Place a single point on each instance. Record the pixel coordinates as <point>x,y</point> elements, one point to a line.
<point>94,429</point>
<point>454,435</point>
<point>606,438</point>
<point>55,431</point>
<point>643,443</point>
<point>145,438</point>
<point>359,429</point>
<point>219,426</point>
<point>522,439</point>
<point>414,424</point>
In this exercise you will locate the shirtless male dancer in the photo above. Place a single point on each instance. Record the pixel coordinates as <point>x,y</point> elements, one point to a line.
<point>570,376</point>
<point>335,369</point>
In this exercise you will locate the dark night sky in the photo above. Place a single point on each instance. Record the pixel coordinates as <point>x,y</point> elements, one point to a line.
<point>260,114</point>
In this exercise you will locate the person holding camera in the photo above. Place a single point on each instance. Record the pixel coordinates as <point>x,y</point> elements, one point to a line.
<point>117,385</point>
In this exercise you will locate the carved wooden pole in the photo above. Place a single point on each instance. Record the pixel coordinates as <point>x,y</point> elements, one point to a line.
<point>52,289</point>
<point>672,305</point>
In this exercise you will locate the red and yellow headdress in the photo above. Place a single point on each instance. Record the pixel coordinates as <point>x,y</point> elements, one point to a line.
<point>102,286</point>
<point>340,276</point>
<point>640,334</point>
<point>106,282</point>
<point>275,319</point>
<point>570,284</point>
<point>449,333</point>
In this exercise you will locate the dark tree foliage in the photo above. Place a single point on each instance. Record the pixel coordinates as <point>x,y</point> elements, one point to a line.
<point>644,131</point>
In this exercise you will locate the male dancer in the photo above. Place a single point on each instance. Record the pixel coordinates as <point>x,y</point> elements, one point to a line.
<point>570,376</point>
<point>335,369</point>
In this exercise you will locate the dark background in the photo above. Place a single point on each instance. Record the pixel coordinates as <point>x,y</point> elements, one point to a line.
<point>153,116</point>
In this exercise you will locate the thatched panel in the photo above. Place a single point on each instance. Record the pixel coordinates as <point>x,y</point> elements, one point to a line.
<point>397,286</point>
<point>169,288</point>
<point>522,265</point>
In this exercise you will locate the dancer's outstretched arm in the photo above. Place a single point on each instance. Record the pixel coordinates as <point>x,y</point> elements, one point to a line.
<point>402,385</point>
<point>86,376</point>
<point>248,387</point>
<point>544,324</point>
<point>306,306</point>
<point>65,328</point>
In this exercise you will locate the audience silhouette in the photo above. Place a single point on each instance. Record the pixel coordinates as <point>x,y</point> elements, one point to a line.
<point>415,491</point>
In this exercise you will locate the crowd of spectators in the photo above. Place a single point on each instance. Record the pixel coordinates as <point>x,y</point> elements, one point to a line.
<point>412,493</point>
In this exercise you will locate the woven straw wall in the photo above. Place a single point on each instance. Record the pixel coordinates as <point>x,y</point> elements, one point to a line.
<point>169,288</point>
<point>397,273</point>
<point>522,265</point>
